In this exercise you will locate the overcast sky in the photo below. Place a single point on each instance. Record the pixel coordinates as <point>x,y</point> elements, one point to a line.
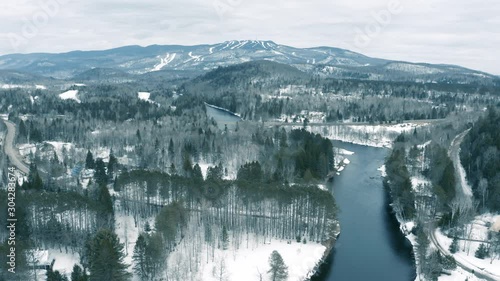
<point>459,32</point>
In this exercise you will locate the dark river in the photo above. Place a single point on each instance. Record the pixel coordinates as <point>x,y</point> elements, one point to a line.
<point>370,246</point>
<point>222,117</point>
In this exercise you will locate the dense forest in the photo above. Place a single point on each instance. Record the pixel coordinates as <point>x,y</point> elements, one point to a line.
<point>128,185</point>
<point>91,166</point>
<point>481,159</point>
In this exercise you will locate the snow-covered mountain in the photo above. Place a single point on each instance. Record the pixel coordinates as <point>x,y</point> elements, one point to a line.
<point>322,61</point>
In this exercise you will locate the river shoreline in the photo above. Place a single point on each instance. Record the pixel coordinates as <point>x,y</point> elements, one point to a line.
<point>399,222</point>
<point>371,246</point>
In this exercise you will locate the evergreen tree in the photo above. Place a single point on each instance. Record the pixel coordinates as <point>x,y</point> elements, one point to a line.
<point>111,165</point>
<point>23,132</point>
<point>482,252</point>
<point>55,275</point>
<point>283,139</point>
<point>155,255</point>
<point>106,212</point>
<point>197,174</point>
<point>89,161</point>
<point>139,257</point>
<point>149,256</point>
<point>454,246</point>
<point>278,271</point>
<point>171,148</point>
<point>78,274</point>
<point>172,170</point>
<point>100,172</point>
<point>106,257</point>
<point>138,135</point>
<point>169,222</point>
<point>215,173</point>
<point>147,227</point>
<point>34,180</point>
<point>448,262</point>
<point>187,165</point>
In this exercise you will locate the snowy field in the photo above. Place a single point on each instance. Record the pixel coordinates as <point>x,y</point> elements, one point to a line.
<point>245,264</point>
<point>63,261</point>
<point>146,96</point>
<point>70,95</point>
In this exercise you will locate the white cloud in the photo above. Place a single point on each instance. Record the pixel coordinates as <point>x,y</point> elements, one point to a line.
<point>440,31</point>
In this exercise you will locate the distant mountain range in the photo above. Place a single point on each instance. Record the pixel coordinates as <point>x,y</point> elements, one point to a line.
<point>128,62</point>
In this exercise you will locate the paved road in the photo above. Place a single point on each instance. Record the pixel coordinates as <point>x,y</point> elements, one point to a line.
<point>479,272</point>
<point>463,190</point>
<point>11,151</point>
<point>464,196</point>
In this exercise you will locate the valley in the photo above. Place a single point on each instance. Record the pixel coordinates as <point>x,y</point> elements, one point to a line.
<point>199,162</point>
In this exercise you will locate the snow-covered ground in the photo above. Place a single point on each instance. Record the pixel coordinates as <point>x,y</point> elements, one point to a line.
<point>63,261</point>
<point>70,95</point>
<point>481,225</point>
<point>311,116</point>
<point>26,149</point>
<point>14,86</point>
<point>419,182</point>
<point>127,233</point>
<point>145,96</point>
<point>458,275</point>
<point>496,225</point>
<point>59,147</point>
<point>369,135</point>
<point>164,61</point>
<point>246,263</point>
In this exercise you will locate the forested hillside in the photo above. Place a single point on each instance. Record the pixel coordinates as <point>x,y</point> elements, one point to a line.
<point>481,159</point>
<point>146,179</point>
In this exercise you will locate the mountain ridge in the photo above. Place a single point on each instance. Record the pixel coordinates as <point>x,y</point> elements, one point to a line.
<point>323,61</point>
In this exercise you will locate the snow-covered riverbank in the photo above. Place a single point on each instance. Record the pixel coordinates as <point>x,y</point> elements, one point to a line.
<point>369,135</point>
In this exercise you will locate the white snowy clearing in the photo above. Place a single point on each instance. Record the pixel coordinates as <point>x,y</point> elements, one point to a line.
<point>59,147</point>
<point>418,183</point>
<point>13,86</point>
<point>63,261</point>
<point>127,232</point>
<point>244,264</point>
<point>240,264</point>
<point>70,95</point>
<point>144,96</point>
